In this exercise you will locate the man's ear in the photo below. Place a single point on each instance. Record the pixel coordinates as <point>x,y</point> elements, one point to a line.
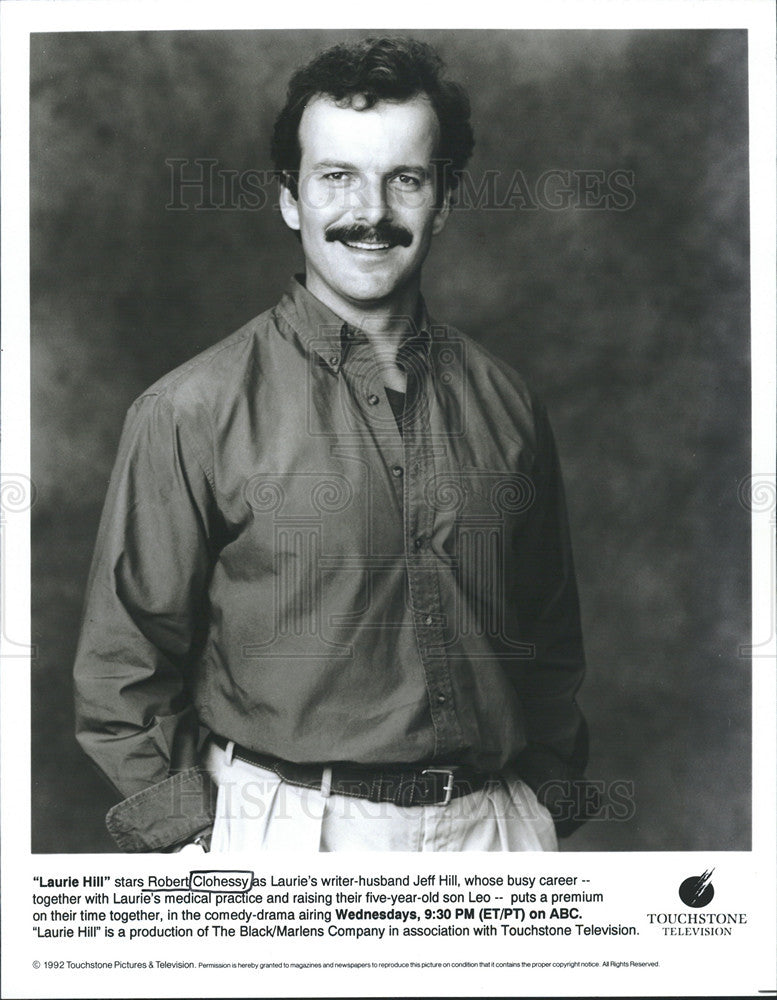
<point>289,208</point>
<point>442,213</point>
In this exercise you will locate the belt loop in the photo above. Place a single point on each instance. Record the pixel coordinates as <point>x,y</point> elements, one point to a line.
<point>326,782</point>
<point>229,752</point>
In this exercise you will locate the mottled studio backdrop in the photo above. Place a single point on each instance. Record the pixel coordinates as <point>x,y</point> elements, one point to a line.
<point>633,324</point>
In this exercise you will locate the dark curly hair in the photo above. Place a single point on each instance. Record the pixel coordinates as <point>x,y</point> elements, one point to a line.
<point>377,69</point>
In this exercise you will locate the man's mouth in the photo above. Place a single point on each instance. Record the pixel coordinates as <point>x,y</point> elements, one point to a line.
<point>363,245</point>
<point>374,239</point>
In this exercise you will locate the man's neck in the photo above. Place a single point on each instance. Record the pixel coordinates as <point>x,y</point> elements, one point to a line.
<point>385,324</point>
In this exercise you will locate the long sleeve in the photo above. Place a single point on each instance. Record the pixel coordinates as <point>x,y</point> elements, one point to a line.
<point>546,594</point>
<point>143,615</point>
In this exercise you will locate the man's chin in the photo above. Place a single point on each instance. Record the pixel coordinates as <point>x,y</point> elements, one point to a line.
<point>368,293</point>
<point>375,284</point>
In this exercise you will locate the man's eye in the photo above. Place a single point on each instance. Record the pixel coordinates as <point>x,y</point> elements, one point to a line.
<point>408,180</point>
<point>337,176</point>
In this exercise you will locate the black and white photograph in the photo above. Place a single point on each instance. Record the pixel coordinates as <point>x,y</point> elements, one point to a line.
<point>388,501</point>
<point>273,542</point>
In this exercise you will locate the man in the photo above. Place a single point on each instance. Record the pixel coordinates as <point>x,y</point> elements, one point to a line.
<point>333,580</point>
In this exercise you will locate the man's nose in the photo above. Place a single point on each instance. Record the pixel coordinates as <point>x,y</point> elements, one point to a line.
<point>372,205</point>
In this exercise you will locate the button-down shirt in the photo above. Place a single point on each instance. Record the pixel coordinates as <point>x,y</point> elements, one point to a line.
<point>278,564</point>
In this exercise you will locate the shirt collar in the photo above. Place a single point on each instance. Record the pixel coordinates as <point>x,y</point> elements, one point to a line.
<point>324,332</point>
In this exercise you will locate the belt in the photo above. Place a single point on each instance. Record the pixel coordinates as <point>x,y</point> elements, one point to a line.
<point>402,784</point>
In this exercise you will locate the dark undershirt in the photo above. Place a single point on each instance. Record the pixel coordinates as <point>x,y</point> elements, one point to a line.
<point>397,401</point>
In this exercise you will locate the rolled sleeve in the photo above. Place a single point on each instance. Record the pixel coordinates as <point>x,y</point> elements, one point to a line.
<point>170,812</point>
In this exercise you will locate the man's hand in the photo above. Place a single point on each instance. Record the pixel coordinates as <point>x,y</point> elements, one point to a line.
<point>197,845</point>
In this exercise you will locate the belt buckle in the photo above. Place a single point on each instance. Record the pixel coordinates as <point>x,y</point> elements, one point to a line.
<point>448,787</point>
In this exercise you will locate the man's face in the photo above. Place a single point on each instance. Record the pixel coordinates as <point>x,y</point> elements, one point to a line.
<point>366,208</point>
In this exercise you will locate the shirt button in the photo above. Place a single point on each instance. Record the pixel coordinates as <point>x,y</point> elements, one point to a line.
<point>373,400</point>
<point>428,620</point>
<point>334,361</point>
<point>441,699</point>
<point>419,542</point>
<point>396,471</point>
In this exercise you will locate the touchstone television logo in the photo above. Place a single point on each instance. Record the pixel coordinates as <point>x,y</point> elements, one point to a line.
<point>697,890</point>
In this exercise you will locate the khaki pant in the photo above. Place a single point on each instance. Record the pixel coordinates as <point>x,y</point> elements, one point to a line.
<point>257,811</point>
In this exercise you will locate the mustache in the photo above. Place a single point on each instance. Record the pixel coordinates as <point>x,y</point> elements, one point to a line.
<point>382,232</point>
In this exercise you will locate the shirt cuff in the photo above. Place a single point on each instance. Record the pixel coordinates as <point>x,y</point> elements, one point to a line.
<point>171,812</point>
